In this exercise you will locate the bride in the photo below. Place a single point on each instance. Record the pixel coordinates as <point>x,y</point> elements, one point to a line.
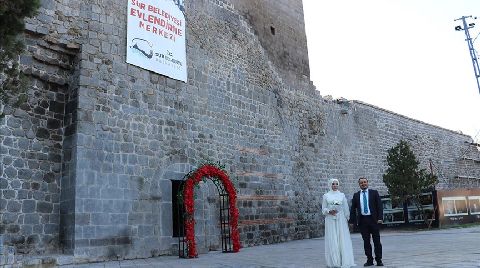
<point>338,245</point>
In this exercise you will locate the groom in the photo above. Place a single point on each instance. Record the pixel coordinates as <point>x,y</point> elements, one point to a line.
<point>367,213</point>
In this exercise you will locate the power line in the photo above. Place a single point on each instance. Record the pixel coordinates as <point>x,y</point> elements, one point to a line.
<point>475,37</point>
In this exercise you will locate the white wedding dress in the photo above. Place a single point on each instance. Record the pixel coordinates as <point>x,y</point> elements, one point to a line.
<point>338,244</point>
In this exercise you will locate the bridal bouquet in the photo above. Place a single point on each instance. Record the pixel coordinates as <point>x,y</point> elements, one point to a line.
<point>335,205</point>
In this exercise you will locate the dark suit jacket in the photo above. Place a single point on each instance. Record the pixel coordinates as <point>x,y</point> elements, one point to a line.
<point>374,204</point>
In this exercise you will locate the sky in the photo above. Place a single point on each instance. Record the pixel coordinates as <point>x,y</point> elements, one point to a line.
<point>401,55</point>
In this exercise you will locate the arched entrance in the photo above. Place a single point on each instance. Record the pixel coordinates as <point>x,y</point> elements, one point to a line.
<point>228,210</point>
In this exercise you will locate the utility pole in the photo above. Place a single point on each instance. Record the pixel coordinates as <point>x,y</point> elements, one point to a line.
<point>473,54</point>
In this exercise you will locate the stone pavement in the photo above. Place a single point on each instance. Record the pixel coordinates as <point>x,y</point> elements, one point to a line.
<point>455,247</point>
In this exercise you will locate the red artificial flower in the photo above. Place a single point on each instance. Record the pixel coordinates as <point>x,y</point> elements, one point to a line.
<point>188,199</point>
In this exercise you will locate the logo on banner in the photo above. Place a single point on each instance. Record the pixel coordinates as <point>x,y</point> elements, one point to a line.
<point>145,48</point>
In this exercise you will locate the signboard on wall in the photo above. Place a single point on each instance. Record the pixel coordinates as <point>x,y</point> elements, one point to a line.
<point>398,214</point>
<point>459,206</point>
<point>156,36</point>
<point>393,213</point>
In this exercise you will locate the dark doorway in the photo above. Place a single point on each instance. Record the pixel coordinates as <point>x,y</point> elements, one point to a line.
<point>177,209</point>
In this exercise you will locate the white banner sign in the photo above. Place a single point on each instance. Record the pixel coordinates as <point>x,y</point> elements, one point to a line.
<point>156,36</point>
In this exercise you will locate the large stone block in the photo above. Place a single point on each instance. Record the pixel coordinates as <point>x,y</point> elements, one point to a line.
<point>44,207</point>
<point>31,219</point>
<point>28,206</point>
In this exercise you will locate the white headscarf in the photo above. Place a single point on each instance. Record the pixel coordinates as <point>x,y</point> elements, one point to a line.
<point>330,181</point>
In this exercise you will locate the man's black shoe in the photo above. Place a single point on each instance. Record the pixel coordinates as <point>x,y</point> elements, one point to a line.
<point>368,263</point>
<point>379,263</point>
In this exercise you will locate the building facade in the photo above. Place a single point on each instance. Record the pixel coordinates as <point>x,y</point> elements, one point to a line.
<point>88,163</point>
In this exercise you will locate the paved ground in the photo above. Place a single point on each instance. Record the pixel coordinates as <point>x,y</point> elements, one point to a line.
<point>436,248</point>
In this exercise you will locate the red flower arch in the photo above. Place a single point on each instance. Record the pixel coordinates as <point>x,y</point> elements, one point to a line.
<point>209,171</point>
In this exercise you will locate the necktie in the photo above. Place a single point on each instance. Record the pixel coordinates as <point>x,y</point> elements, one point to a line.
<point>365,204</point>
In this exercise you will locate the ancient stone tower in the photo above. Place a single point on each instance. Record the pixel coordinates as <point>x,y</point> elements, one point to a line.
<point>88,164</point>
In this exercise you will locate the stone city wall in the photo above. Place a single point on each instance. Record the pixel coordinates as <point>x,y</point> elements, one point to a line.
<point>358,136</point>
<point>88,165</point>
<point>32,148</point>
